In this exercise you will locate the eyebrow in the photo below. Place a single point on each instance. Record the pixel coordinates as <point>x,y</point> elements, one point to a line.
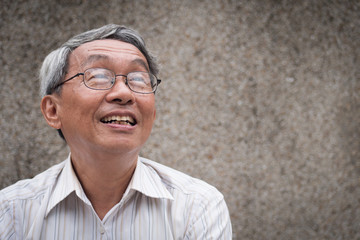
<point>94,58</point>
<point>97,57</point>
<point>141,62</point>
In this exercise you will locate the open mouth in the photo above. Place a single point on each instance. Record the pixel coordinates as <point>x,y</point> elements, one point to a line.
<point>122,120</point>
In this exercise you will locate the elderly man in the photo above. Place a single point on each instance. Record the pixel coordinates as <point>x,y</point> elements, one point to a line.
<point>98,91</point>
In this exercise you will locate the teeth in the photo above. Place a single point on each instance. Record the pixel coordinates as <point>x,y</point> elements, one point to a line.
<point>119,119</point>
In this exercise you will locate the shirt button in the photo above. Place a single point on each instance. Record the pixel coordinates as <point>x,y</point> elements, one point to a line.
<point>102,230</point>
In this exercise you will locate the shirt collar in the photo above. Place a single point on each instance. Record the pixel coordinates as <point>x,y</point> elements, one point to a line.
<point>66,184</point>
<point>144,180</point>
<point>147,181</point>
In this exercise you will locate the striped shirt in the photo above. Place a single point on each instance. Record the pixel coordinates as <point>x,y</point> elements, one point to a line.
<point>159,203</point>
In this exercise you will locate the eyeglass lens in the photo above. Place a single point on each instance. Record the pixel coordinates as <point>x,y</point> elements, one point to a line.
<point>101,79</point>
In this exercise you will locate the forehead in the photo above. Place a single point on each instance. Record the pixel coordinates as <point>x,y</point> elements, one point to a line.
<point>105,50</point>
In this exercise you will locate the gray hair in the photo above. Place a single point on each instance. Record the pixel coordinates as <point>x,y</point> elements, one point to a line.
<point>55,65</point>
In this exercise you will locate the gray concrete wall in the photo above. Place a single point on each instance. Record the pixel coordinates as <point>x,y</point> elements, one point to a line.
<point>259,98</point>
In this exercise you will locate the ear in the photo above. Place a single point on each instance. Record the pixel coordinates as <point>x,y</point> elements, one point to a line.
<point>50,110</point>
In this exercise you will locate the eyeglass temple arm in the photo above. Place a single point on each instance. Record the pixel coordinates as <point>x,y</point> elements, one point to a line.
<point>58,85</point>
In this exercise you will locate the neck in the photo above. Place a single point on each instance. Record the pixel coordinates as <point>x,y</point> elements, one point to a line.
<point>104,180</point>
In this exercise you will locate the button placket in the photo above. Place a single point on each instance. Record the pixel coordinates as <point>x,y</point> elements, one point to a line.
<point>102,230</point>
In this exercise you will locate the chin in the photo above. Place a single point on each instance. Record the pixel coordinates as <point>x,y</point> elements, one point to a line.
<point>121,147</point>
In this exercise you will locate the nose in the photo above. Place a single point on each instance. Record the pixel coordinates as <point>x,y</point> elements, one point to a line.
<point>120,92</point>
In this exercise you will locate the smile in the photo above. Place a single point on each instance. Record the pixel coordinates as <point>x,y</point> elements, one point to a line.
<point>122,120</point>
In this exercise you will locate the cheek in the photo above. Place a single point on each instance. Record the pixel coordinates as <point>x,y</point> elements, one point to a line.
<point>150,109</point>
<point>78,106</point>
<point>147,111</point>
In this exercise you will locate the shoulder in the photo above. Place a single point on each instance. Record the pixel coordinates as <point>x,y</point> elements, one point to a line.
<point>198,206</point>
<point>180,182</point>
<point>21,201</point>
<point>32,188</point>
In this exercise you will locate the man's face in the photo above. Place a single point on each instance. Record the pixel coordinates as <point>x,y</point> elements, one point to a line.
<point>85,115</point>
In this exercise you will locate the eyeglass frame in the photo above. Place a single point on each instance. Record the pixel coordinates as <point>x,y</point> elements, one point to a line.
<point>158,81</point>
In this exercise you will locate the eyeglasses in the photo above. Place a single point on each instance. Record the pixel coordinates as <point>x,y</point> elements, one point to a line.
<point>103,79</point>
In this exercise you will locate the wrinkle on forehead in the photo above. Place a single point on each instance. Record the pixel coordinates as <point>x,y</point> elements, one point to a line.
<point>98,50</point>
<point>104,58</point>
<point>112,46</point>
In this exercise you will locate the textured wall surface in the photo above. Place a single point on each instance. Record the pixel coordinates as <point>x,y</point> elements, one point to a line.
<point>259,98</point>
